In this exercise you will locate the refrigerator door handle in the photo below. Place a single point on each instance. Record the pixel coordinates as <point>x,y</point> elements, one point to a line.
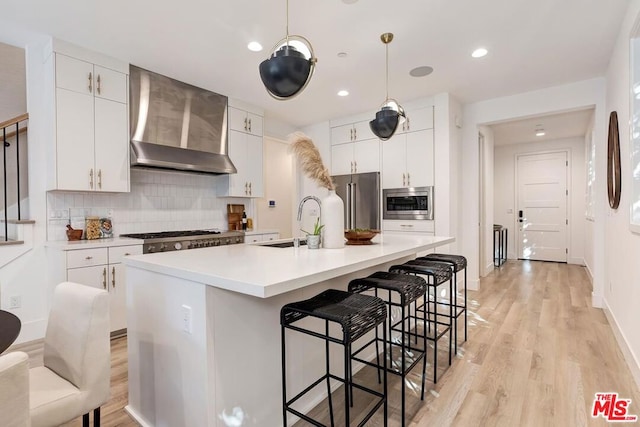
<point>348,206</point>
<point>352,205</point>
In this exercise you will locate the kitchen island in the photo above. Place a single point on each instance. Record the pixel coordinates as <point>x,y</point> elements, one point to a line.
<point>204,331</point>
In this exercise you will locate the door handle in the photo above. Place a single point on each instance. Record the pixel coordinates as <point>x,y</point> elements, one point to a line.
<point>104,278</point>
<point>113,277</point>
<point>352,205</point>
<point>520,216</point>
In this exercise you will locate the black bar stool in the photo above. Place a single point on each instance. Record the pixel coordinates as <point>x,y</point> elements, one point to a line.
<point>356,314</point>
<point>437,273</point>
<point>458,263</point>
<point>406,289</point>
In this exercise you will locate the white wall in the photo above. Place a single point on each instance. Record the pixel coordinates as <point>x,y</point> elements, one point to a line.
<point>279,187</point>
<point>505,158</point>
<point>579,95</point>
<point>487,220</point>
<point>622,283</point>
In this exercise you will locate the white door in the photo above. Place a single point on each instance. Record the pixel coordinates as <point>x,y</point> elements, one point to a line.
<point>542,207</point>
<point>111,146</point>
<point>394,162</point>
<point>342,159</point>
<point>420,158</point>
<point>238,183</point>
<point>366,155</point>
<point>254,166</point>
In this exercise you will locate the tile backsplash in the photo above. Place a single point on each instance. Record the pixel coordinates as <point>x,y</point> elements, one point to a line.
<point>158,201</point>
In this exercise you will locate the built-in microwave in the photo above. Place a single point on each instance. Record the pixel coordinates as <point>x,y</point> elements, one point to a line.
<point>408,203</point>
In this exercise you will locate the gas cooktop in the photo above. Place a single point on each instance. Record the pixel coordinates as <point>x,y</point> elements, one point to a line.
<point>166,234</point>
<point>166,241</point>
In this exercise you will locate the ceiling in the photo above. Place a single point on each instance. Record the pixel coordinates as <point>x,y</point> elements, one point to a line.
<point>532,44</point>
<point>556,126</point>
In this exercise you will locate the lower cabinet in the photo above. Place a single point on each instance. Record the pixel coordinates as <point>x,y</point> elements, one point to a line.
<point>102,268</point>
<point>261,237</point>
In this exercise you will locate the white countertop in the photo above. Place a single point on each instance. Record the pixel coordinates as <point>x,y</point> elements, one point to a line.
<point>260,271</point>
<point>65,245</point>
<point>261,231</point>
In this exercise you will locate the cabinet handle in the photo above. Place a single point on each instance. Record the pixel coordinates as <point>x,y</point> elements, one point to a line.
<point>98,84</point>
<point>104,278</point>
<point>355,166</point>
<point>99,175</point>
<point>406,225</point>
<point>90,82</point>
<point>113,277</point>
<point>408,180</point>
<point>246,188</point>
<point>355,134</point>
<point>249,125</point>
<point>126,254</point>
<point>245,123</point>
<point>404,182</point>
<point>88,258</point>
<point>250,191</point>
<point>91,179</point>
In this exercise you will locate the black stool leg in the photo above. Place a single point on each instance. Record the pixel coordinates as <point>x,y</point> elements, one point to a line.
<point>85,420</point>
<point>96,417</point>
<point>452,320</point>
<point>424,345</point>
<point>384,357</point>
<point>454,301</point>
<point>466,304</point>
<point>435,329</point>
<point>327,364</point>
<point>347,388</point>
<point>284,378</point>
<point>377,348</point>
<point>403,361</point>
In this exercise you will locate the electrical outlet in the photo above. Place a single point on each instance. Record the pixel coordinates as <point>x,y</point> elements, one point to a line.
<point>15,301</point>
<point>187,320</point>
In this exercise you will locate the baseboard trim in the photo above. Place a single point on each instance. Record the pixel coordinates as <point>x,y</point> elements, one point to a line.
<point>32,331</point>
<point>597,300</point>
<point>577,261</point>
<point>589,273</point>
<point>136,417</point>
<point>474,285</point>
<point>629,356</point>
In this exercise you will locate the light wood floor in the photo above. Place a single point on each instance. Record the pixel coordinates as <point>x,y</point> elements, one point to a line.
<point>536,355</point>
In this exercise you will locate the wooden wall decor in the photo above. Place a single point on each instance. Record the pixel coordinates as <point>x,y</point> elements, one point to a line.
<point>614,179</point>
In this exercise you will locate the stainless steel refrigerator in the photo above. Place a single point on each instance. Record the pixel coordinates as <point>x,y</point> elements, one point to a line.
<point>360,193</point>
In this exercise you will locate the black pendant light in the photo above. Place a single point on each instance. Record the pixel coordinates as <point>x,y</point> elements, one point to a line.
<point>289,68</point>
<point>391,113</point>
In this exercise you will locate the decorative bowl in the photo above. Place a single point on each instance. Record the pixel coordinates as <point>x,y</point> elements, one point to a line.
<point>359,236</point>
<point>74,234</point>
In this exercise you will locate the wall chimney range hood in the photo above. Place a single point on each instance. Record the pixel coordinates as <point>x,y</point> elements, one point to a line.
<point>177,126</point>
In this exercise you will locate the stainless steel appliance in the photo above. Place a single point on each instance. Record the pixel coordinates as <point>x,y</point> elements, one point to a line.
<point>167,241</point>
<point>177,126</point>
<point>408,203</point>
<point>361,196</point>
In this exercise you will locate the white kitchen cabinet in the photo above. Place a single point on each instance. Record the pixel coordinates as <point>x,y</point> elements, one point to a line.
<point>352,132</point>
<point>418,119</point>
<point>255,237</point>
<point>244,121</point>
<point>246,153</point>
<point>102,268</point>
<point>408,160</point>
<point>91,127</point>
<point>355,157</point>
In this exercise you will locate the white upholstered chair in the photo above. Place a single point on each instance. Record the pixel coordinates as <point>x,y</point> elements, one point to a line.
<point>14,390</point>
<point>77,358</point>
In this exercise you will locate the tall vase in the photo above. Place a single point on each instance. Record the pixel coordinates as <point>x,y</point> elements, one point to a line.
<point>333,221</point>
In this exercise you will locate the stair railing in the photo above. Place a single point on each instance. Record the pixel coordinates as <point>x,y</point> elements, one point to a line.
<point>8,132</point>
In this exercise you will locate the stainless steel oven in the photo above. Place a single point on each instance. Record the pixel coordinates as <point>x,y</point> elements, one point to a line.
<point>408,203</point>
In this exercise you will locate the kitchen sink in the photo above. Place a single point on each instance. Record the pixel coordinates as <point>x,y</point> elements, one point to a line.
<point>285,244</point>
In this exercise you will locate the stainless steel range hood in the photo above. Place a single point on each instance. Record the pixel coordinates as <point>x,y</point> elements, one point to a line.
<point>177,126</point>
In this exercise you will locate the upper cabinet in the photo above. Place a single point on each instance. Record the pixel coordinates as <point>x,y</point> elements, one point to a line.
<point>358,131</point>
<point>354,149</point>
<point>90,117</point>
<point>407,160</point>
<point>244,121</point>
<point>418,119</point>
<point>245,151</point>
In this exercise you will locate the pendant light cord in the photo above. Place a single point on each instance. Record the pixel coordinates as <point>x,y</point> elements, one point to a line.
<point>387,70</point>
<point>287,22</point>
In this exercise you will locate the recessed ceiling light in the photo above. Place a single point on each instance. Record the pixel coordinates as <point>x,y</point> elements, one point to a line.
<point>480,52</point>
<point>254,47</point>
<point>421,71</point>
<point>343,93</point>
<point>342,54</point>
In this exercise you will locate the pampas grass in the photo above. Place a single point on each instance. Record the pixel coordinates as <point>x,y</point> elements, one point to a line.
<point>310,160</point>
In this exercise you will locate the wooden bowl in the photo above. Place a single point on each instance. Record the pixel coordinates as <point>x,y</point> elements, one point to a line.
<point>74,234</point>
<point>360,237</point>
